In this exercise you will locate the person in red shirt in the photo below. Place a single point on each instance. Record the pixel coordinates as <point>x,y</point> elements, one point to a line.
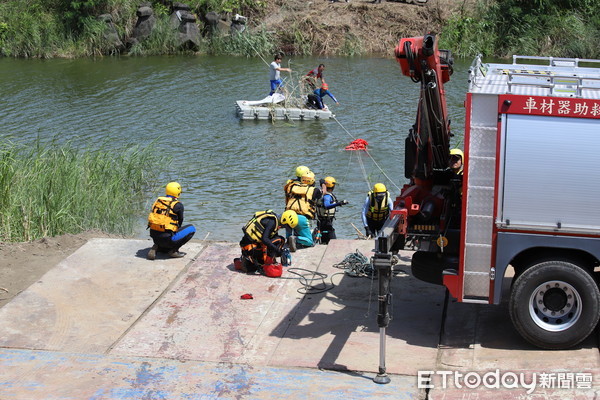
<point>313,75</point>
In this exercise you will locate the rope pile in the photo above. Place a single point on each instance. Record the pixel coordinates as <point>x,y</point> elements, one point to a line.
<point>356,264</point>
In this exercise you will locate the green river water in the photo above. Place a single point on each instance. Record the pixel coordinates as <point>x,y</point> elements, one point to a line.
<point>228,168</point>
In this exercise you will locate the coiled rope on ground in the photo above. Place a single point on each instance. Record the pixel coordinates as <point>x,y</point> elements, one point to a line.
<point>356,264</point>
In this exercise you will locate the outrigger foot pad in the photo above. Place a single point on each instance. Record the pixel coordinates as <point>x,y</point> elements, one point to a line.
<point>382,379</point>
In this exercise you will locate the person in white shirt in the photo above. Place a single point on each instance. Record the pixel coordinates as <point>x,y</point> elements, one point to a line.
<point>274,74</point>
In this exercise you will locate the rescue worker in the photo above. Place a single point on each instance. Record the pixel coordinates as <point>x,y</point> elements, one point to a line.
<point>275,70</point>
<point>165,222</point>
<point>261,242</point>
<point>376,209</point>
<point>315,100</point>
<point>326,207</point>
<point>302,196</point>
<point>301,236</point>
<point>314,74</point>
<point>300,170</point>
<point>455,164</point>
<point>456,161</point>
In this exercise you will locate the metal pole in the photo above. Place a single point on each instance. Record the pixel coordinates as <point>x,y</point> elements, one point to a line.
<point>383,263</point>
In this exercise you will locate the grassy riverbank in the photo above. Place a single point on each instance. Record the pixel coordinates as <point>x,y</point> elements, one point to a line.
<point>55,189</point>
<point>56,28</point>
<point>501,28</point>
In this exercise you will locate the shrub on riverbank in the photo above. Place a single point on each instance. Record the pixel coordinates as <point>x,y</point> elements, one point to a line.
<point>57,28</point>
<point>560,28</point>
<point>56,189</point>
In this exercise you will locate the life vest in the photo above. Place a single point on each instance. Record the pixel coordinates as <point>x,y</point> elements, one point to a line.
<point>378,210</point>
<point>300,199</point>
<point>322,212</point>
<point>162,218</point>
<point>287,187</point>
<point>255,227</point>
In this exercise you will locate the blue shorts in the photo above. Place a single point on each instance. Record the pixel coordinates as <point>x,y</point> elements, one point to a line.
<point>275,84</point>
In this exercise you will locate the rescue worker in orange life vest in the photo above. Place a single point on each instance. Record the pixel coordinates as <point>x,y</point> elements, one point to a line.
<point>300,170</point>
<point>302,196</point>
<point>165,222</point>
<point>376,209</point>
<point>261,242</point>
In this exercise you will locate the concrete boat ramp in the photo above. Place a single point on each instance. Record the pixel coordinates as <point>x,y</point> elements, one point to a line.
<point>106,323</point>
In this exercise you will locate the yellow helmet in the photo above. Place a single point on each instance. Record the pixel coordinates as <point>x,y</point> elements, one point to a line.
<point>379,188</point>
<point>308,178</point>
<point>457,152</point>
<point>301,170</point>
<point>289,218</point>
<point>173,189</point>
<point>330,181</point>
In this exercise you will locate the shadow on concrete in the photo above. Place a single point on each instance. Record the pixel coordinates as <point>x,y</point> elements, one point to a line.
<point>490,327</point>
<point>351,306</point>
<point>160,255</point>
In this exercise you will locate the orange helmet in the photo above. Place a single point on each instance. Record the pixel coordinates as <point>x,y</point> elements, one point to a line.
<point>324,86</point>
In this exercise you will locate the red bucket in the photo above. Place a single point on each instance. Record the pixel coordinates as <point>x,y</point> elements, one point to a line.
<point>273,270</point>
<point>237,263</point>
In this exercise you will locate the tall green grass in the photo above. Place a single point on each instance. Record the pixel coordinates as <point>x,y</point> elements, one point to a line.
<point>34,33</point>
<point>247,44</point>
<point>61,28</point>
<point>563,28</point>
<point>162,40</point>
<point>55,189</point>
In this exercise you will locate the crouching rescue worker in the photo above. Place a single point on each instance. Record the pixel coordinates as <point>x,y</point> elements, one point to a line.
<point>376,209</point>
<point>165,223</point>
<point>302,196</point>
<point>261,242</point>
<point>301,236</point>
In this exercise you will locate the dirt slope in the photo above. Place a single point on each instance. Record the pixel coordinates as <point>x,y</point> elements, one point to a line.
<point>331,27</point>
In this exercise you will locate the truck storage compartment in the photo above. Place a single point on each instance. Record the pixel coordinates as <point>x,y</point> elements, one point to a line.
<point>551,173</point>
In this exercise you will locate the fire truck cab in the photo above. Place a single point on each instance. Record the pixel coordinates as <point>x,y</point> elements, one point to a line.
<point>528,197</point>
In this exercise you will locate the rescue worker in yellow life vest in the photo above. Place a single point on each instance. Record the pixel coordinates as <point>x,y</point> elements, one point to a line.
<point>456,161</point>
<point>261,242</point>
<point>376,209</point>
<point>300,170</point>
<point>165,222</point>
<point>302,196</point>
<point>326,207</point>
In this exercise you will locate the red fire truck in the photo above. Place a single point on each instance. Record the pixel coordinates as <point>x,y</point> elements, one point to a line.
<point>526,199</point>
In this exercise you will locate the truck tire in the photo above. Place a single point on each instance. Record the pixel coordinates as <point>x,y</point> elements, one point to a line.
<point>555,304</point>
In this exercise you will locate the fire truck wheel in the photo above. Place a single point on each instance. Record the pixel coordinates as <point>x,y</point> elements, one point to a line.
<point>555,304</point>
